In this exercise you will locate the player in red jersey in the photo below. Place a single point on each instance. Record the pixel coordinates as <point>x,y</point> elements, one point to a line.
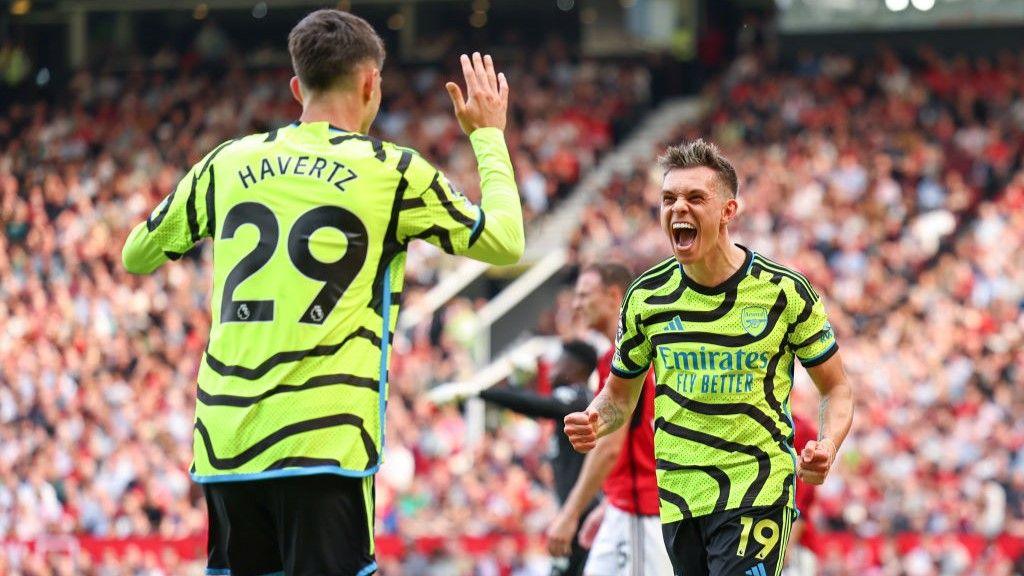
<point>629,539</point>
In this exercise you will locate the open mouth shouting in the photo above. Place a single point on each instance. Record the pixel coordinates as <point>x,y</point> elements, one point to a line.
<point>684,235</point>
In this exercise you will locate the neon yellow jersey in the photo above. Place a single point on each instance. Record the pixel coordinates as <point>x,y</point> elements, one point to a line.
<point>723,361</point>
<point>310,226</point>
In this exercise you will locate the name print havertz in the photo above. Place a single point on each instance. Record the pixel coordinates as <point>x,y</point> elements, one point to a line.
<point>327,170</point>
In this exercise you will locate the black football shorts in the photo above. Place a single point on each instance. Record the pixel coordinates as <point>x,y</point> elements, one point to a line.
<point>743,542</point>
<point>294,526</point>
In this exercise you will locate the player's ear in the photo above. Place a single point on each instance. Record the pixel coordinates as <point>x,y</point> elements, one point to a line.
<point>730,210</point>
<point>296,89</point>
<point>368,82</point>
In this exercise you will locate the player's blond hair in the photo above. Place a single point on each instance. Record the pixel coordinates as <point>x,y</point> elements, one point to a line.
<point>700,153</point>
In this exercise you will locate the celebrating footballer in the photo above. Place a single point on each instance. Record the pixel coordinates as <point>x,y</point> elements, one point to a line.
<point>723,327</point>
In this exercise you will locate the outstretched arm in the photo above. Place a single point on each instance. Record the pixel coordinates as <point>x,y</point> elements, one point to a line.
<point>835,416</point>
<point>530,403</point>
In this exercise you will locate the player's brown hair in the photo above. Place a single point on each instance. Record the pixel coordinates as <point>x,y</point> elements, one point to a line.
<point>700,153</point>
<point>327,45</point>
<point>611,273</point>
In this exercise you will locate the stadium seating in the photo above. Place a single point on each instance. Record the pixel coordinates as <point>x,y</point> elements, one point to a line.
<point>895,184</point>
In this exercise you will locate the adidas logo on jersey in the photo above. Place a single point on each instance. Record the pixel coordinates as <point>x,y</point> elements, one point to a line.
<point>757,570</point>
<point>675,324</point>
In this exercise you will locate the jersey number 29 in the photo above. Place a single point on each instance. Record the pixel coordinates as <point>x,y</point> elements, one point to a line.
<point>336,276</point>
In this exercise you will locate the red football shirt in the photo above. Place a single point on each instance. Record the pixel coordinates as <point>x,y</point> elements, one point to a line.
<point>632,485</point>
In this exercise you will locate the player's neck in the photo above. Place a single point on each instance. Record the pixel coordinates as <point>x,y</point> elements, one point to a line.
<point>339,111</point>
<point>718,265</point>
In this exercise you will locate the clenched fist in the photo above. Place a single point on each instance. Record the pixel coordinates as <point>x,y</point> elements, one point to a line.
<point>815,461</point>
<point>581,428</point>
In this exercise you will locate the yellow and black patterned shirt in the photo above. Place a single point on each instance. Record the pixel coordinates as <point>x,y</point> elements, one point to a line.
<point>723,360</point>
<point>310,225</point>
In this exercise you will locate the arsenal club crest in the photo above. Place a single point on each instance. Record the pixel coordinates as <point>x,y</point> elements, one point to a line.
<point>754,319</point>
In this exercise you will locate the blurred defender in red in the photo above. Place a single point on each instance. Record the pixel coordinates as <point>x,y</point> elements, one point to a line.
<point>624,532</point>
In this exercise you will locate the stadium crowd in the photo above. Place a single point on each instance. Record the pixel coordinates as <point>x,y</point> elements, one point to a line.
<point>895,184</point>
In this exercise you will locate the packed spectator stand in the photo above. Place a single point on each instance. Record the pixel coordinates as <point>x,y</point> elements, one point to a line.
<point>894,183</point>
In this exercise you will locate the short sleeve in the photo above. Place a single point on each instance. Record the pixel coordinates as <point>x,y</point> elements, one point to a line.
<point>633,350</point>
<point>434,210</point>
<point>813,340</point>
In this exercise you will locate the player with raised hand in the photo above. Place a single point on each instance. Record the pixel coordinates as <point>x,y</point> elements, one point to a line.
<point>723,327</point>
<point>310,224</point>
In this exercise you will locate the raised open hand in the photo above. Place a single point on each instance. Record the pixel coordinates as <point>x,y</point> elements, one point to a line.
<point>486,101</point>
